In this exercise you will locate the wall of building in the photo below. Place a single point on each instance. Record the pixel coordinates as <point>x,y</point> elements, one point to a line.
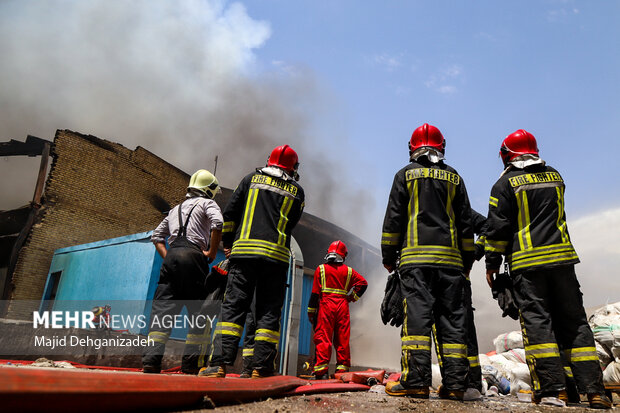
<point>96,190</point>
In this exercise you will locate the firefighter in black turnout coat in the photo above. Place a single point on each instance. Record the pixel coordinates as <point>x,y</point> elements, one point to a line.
<point>427,227</point>
<point>194,230</point>
<point>527,225</point>
<point>258,222</point>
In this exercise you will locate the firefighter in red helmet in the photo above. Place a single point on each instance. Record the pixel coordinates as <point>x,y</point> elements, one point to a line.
<point>335,286</point>
<point>258,222</point>
<point>526,225</point>
<point>428,231</point>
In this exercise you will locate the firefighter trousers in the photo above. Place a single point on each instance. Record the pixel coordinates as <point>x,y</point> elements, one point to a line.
<point>433,295</point>
<point>249,276</point>
<point>181,284</point>
<point>248,340</point>
<point>474,374</point>
<point>554,324</point>
<point>333,322</point>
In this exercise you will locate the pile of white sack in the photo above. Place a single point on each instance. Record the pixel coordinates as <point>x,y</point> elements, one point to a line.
<point>605,324</point>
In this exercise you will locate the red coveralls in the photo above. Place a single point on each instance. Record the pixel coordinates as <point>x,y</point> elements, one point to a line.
<point>335,284</point>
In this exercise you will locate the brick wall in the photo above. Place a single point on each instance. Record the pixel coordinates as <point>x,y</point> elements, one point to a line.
<point>96,189</point>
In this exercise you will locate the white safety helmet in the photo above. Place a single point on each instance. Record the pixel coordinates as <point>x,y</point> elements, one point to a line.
<point>205,182</point>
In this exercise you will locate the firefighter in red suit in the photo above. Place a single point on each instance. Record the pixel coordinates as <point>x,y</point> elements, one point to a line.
<point>335,285</point>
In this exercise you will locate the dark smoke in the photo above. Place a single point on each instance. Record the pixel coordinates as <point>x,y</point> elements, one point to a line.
<point>178,78</point>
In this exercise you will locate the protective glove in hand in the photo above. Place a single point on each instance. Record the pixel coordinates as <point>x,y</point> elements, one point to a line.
<point>392,305</point>
<point>504,294</point>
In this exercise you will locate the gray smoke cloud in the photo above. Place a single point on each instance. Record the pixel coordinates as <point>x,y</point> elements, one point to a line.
<point>179,78</point>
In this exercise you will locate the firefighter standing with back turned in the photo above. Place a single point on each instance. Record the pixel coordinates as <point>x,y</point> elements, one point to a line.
<point>258,222</point>
<point>194,230</point>
<point>428,227</point>
<point>527,224</point>
<point>335,285</point>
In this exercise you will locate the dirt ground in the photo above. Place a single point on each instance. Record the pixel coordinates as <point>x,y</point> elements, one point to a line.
<point>366,402</point>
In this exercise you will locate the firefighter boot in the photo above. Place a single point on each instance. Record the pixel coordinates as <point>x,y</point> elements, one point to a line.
<point>599,401</point>
<point>395,388</point>
<point>446,394</point>
<point>213,372</point>
<point>148,368</point>
<point>261,374</point>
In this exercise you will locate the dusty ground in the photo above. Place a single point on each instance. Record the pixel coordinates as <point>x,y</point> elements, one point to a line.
<point>365,402</point>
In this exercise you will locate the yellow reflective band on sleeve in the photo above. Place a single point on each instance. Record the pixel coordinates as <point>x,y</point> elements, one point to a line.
<point>581,354</point>
<point>229,226</point>
<point>481,240</point>
<point>454,350</point>
<point>495,246</point>
<point>311,310</point>
<point>159,336</point>
<point>248,352</point>
<point>474,361</point>
<point>390,238</point>
<point>416,343</point>
<point>467,244</point>
<point>248,214</point>
<point>230,329</point>
<point>262,334</point>
<point>493,201</point>
<point>355,297</point>
<point>284,211</point>
<point>538,351</point>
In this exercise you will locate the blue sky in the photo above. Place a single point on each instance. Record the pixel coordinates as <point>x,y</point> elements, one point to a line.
<point>345,83</point>
<point>478,70</point>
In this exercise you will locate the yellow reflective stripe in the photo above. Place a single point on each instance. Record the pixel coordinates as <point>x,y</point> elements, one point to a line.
<point>450,212</point>
<point>561,223</point>
<point>389,238</point>
<point>322,271</point>
<point>159,336</point>
<point>495,246</point>
<point>260,247</point>
<point>334,291</point>
<point>355,297</point>
<point>262,334</point>
<point>349,273</point>
<point>342,367</point>
<point>311,310</point>
<point>434,334</point>
<point>545,350</point>
<point>196,339</point>
<point>404,359</point>
<point>493,201</point>
<point>568,371</point>
<point>229,226</point>
<point>284,211</point>
<point>248,352</point>
<point>467,244</point>
<point>413,211</point>
<point>230,329</point>
<point>248,214</point>
<point>416,343</point>
<point>581,354</point>
<point>431,254</point>
<point>442,249</point>
<point>454,350</point>
<point>547,254</point>
<point>474,361</point>
<point>525,238</point>
<point>320,367</point>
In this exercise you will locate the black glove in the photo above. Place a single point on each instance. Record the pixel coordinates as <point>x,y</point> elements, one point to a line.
<point>504,294</point>
<point>392,305</point>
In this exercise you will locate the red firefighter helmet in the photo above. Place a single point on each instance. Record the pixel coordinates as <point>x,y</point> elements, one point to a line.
<point>427,135</point>
<point>518,143</point>
<point>338,247</point>
<point>284,157</point>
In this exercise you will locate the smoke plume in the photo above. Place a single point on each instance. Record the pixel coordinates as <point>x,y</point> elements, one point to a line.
<point>180,79</point>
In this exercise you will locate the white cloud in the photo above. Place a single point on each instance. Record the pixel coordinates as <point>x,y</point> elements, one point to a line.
<point>443,80</point>
<point>387,61</point>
